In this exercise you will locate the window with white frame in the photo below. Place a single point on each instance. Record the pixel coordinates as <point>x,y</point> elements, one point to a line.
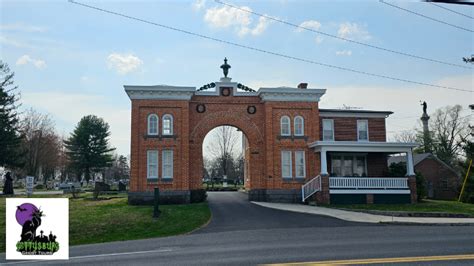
<point>349,165</point>
<point>167,168</point>
<point>362,130</point>
<point>328,129</point>
<point>286,164</point>
<point>167,125</point>
<point>299,126</point>
<point>300,164</point>
<point>152,164</point>
<point>285,126</point>
<point>152,124</point>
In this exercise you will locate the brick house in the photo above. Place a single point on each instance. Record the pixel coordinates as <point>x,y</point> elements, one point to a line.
<point>293,149</point>
<point>442,181</point>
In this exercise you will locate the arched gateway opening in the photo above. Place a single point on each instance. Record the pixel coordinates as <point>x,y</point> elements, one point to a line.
<point>225,162</point>
<point>169,124</point>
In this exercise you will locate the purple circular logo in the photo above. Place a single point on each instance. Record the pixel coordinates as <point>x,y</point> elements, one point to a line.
<point>24,212</point>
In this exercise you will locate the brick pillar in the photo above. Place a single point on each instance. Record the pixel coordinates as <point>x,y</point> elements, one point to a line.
<point>370,198</point>
<point>412,186</point>
<point>322,197</point>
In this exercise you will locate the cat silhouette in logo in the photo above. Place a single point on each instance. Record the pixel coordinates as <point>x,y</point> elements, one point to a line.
<point>28,233</point>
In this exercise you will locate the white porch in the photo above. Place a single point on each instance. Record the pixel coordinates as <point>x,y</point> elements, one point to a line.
<point>323,147</point>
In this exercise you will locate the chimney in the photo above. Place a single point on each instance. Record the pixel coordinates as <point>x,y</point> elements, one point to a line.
<point>303,86</point>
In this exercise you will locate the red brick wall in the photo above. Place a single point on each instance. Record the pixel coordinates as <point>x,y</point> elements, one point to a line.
<point>262,130</point>
<point>434,171</point>
<point>345,128</point>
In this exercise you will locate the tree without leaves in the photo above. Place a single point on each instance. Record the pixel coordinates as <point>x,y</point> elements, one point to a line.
<point>449,132</point>
<point>41,144</point>
<point>226,139</point>
<point>88,146</point>
<point>10,137</point>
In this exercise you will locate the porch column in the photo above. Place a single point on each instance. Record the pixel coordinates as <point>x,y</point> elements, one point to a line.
<point>410,170</point>
<point>324,163</point>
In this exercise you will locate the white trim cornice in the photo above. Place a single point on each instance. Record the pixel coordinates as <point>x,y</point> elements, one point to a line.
<point>287,94</point>
<point>159,92</point>
<point>355,146</point>
<point>354,114</point>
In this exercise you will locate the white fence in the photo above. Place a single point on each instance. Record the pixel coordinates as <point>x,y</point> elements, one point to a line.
<point>368,182</point>
<point>311,187</point>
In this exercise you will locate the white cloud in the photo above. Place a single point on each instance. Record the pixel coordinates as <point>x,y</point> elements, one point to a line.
<point>344,53</point>
<point>239,20</point>
<point>22,27</point>
<point>199,4</point>
<point>124,63</point>
<point>353,31</point>
<point>309,24</point>
<point>26,59</point>
<point>318,39</point>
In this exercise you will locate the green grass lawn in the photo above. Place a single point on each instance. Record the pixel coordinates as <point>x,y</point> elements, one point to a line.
<point>114,220</point>
<point>424,206</point>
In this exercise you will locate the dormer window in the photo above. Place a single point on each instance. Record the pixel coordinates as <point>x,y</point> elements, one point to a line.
<point>167,125</point>
<point>285,126</point>
<point>299,126</point>
<point>153,124</point>
<point>362,130</point>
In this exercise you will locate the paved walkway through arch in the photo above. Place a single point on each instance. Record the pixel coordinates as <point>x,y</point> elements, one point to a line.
<point>232,211</point>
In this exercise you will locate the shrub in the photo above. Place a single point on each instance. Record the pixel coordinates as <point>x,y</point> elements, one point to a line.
<point>420,186</point>
<point>198,195</point>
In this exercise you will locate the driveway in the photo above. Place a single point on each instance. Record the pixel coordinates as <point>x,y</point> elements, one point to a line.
<point>232,211</point>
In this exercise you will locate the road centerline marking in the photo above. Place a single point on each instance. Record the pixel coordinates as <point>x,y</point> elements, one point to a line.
<point>382,260</point>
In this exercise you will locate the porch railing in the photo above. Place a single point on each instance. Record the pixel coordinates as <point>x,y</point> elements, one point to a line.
<point>311,187</point>
<point>368,182</point>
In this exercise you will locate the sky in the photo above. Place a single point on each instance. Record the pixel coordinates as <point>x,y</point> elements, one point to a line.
<point>71,61</point>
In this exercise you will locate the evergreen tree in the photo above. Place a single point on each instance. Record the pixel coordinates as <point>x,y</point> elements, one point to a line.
<point>10,137</point>
<point>88,146</point>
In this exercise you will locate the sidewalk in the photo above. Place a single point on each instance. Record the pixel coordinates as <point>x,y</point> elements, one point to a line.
<point>365,217</point>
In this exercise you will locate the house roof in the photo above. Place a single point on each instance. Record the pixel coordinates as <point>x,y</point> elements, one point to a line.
<point>353,113</point>
<point>418,158</point>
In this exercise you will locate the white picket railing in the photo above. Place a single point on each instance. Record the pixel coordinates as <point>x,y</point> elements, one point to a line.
<point>368,182</point>
<point>311,187</point>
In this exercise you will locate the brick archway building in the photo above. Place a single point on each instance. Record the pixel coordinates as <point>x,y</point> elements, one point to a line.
<point>285,148</point>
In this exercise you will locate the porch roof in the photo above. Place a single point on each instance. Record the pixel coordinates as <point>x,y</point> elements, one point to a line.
<point>358,146</point>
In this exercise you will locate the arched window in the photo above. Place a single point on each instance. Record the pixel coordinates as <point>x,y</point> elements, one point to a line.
<point>299,126</point>
<point>167,125</point>
<point>285,126</point>
<point>153,124</point>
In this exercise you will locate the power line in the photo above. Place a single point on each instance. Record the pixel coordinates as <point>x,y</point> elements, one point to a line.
<point>453,11</point>
<point>340,38</point>
<point>424,16</point>
<point>266,51</point>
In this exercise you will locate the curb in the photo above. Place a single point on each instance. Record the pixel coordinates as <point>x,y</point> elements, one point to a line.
<point>372,222</point>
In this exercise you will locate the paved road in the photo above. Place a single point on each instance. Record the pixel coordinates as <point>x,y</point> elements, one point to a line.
<point>231,211</point>
<point>243,234</point>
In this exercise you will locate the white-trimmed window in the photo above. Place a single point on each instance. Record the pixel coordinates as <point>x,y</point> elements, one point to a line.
<point>299,126</point>
<point>285,126</point>
<point>152,164</point>
<point>152,124</point>
<point>349,165</point>
<point>300,164</point>
<point>362,130</point>
<point>167,167</point>
<point>167,125</point>
<point>328,130</point>
<point>286,164</point>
